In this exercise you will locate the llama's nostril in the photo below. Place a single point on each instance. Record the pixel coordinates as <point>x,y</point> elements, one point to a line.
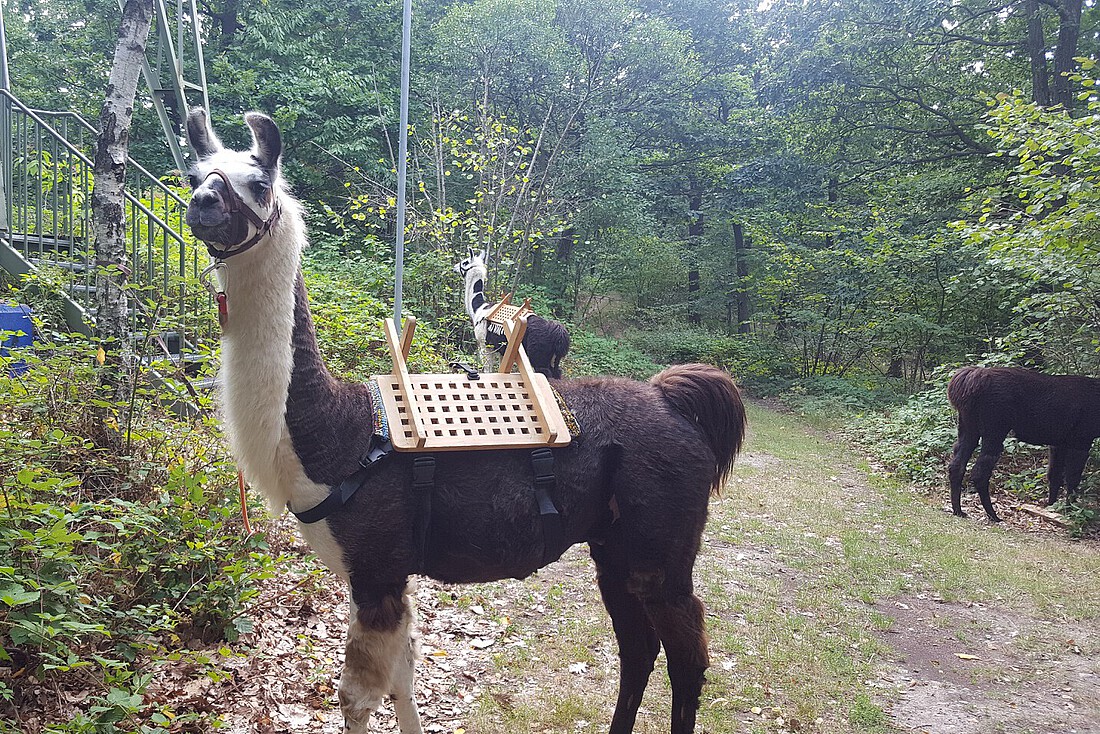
<point>205,215</point>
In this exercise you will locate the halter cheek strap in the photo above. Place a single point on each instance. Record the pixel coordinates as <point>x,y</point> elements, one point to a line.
<point>236,205</point>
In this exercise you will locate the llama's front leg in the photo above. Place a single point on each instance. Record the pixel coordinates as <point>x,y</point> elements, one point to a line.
<point>404,687</point>
<point>1056,473</point>
<point>379,659</point>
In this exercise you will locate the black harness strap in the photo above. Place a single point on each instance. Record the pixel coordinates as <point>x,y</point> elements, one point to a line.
<point>378,450</point>
<point>553,535</point>
<point>423,483</point>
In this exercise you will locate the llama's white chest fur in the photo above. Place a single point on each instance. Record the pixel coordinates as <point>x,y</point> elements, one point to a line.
<point>257,364</point>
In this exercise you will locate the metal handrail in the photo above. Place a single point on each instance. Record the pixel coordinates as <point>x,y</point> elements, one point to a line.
<point>130,162</point>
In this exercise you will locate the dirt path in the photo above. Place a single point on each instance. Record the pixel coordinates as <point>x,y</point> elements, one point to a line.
<point>836,603</point>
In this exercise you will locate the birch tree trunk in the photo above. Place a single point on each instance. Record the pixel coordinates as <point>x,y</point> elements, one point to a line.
<point>108,203</point>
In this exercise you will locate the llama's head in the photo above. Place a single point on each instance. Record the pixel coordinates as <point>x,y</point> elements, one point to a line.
<point>472,261</point>
<point>234,194</point>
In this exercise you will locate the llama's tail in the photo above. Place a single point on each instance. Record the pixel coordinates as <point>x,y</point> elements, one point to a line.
<point>708,396</point>
<point>965,385</point>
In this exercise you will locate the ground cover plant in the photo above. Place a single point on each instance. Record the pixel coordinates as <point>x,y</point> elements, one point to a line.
<point>91,594</point>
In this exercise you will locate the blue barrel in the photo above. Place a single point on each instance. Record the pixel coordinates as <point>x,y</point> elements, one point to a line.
<point>17,318</point>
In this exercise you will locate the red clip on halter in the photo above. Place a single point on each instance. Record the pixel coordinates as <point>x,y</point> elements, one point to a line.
<point>237,205</point>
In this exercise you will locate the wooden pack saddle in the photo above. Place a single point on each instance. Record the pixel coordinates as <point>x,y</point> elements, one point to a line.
<point>451,412</point>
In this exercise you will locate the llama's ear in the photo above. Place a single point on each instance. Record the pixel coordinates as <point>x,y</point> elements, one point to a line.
<point>200,136</point>
<point>268,143</point>
<point>482,255</point>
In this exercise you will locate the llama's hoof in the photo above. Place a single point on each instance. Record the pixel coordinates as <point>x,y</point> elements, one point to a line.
<point>958,513</point>
<point>993,518</point>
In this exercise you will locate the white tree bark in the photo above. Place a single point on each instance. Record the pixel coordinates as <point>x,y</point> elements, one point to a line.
<point>108,203</point>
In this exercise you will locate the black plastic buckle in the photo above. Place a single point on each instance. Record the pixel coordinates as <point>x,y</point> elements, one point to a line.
<point>378,449</point>
<point>423,473</point>
<point>471,373</point>
<point>542,465</point>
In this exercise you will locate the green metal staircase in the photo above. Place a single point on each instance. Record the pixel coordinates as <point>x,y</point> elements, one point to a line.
<point>45,229</point>
<point>46,201</point>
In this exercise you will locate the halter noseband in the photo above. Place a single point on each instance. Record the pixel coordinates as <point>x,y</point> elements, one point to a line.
<point>237,205</point>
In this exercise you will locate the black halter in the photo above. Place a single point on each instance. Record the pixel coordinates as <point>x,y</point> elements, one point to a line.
<point>237,205</point>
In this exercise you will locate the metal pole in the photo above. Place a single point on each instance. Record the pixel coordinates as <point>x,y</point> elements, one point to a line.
<point>402,160</point>
<point>5,82</point>
<point>5,128</point>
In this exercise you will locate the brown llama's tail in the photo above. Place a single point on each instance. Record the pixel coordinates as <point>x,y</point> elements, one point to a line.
<point>965,385</point>
<point>708,396</point>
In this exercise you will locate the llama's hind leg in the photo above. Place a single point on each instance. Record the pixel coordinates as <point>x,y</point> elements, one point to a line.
<point>983,470</point>
<point>956,469</point>
<point>1075,467</point>
<point>378,659</point>
<point>678,618</point>
<point>638,641</point>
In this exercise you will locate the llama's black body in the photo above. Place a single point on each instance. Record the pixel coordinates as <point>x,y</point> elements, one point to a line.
<point>1059,411</point>
<point>546,343</point>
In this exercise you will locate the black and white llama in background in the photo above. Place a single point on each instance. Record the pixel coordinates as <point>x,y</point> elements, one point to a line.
<point>635,487</point>
<point>546,342</point>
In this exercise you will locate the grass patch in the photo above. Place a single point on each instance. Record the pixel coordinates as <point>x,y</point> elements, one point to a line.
<point>800,552</point>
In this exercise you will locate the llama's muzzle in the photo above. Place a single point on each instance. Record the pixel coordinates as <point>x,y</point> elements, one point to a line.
<point>211,222</point>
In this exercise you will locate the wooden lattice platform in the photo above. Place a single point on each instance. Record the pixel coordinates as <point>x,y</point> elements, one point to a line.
<point>505,310</point>
<point>450,412</point>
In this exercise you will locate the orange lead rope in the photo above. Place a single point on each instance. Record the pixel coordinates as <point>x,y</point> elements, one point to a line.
<point>244,502</point>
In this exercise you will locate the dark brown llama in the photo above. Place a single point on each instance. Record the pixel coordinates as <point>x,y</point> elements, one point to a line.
<point>1059,411</point>
<point>635,485</point>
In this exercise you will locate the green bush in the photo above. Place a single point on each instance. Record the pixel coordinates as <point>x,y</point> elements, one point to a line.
<point>747,358</point>
<point>349,318</point>
<point>110,560</point>
<point>914,439</point>
<point>590,354</point>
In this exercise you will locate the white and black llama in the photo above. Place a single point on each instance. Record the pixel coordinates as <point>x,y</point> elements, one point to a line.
<point>635,486</point>
<point>546,342</point>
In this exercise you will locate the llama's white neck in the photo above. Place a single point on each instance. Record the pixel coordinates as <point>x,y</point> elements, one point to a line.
<point>475,294</point>
<point>257,355</point>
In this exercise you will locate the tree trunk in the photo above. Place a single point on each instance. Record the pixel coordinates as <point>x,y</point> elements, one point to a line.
<point>834,197</point>
<point>741,246</point>
<point>1037,53</point>
<point>1069,32</point>
<point>108,202</point>
<point>695,238</point>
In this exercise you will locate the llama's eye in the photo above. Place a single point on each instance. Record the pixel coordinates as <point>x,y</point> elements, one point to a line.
<point>194,181</point>
<point>259,190</point>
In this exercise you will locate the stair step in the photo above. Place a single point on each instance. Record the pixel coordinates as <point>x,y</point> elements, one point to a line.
<point>45,243</point>
<point>72,267</point>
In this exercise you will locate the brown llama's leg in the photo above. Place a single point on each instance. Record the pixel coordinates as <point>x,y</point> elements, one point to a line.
<point>956,469</point>
<point>379,659</point>
<point>983,470</point>
<point>638,641</point>
<point>1056,472</point>
<point>1075,467</point>
<point>679,623</point>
